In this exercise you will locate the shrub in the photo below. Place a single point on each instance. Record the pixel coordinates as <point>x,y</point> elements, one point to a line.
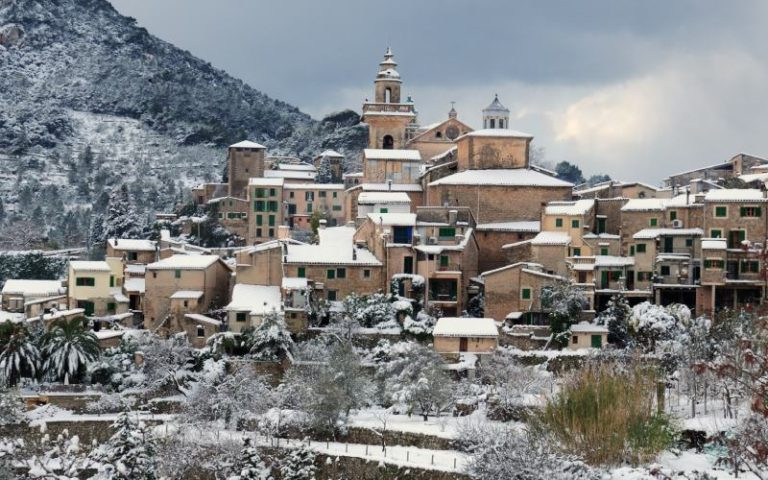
<point>608,416</point>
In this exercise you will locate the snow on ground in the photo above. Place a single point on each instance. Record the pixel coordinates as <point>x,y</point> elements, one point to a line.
<point>687,461</point>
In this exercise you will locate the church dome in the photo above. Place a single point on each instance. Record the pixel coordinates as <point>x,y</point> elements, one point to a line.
<point>496,106</point>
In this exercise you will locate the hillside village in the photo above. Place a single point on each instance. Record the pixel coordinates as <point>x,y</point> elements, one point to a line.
<point>447,258</point>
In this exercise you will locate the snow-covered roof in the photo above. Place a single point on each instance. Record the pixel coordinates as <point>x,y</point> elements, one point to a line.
<point>754,177</point>
<point>643,205</point>
<point>33,288</point>
<point>118,295</point>
<point>314,186</point>
<point>601,236</point>
<point>735,195</point>
<point>186,294</point>
<point>352,175</point>
<point>496,132</point>
<point>256,299</point>
<point>613,261</point>
<point>136,268</point>
<point>465,327</point>
<point>270,245</point>
<point>290,174</point>
<point>393,219</point>
<point>516,226</point>
<point>578,207</point>
<point>437,249</point>
<point>296,167</point>
<point>395,187</point>
<point>330,153</point>
<point>714,244</point>
<point>88,266</point>
<point>184,262</point>
<point>586,327</point>
<point>651,233</point>
<point>336,247</point>
<point>392,154</point>
<point>132,244</point>
<point>551,238</point>
<point>266,182</point>
<point>134,285</point>
<point>518,177</point>
<point>247,144</point>
<point>529,265</point>
<point>440,156</point>
<point>202,318</point>
<point>496,106</point>
<point>366,198</point>
<point>294,283</point>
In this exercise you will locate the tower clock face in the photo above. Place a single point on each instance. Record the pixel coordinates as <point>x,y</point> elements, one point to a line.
<point>452,132</point>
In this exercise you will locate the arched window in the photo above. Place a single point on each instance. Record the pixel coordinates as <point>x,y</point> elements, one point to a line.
<point>493,123</point>
<point>439,134</point>
<point>501,123</point>
<point>387,95</point>
<point>388,143</point>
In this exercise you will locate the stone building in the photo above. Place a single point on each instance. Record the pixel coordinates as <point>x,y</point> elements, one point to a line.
<point>513,292</point>
<point>465,335</point>
<point>244,160</point>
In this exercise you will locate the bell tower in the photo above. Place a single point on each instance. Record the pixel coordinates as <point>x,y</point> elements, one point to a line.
<point>496,115</point>
<point>388,118</point>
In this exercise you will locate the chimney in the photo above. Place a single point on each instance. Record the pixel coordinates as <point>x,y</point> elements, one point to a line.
<point>116,241</point>
<point>354,253</point>
<point>283,232</point>
<point>452,214</point>
<point>323,222</point>
<point>389,184</point>
<point>688,196</point>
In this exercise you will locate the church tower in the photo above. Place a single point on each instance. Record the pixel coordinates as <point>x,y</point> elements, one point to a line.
<point>387,117</point>
<point>496,115</point>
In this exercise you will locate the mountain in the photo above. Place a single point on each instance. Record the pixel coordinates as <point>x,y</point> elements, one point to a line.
<point>89,100</point>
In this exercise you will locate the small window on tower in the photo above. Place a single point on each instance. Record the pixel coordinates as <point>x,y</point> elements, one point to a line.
<point>438,134</point>
<point>493,123</point>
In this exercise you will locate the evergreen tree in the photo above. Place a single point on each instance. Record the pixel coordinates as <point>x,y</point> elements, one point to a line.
<point>253,467</point>
<point>270,340</point>
<point>122,220</point>
<point>298,464</point>
<point>616,318</point>
<point>130,452</point>
<point>324,173</point>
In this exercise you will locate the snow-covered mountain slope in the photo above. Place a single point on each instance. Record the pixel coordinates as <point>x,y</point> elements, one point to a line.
<point>76,73</point>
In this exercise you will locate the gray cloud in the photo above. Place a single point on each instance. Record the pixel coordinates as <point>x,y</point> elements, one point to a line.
<point>609,85</point>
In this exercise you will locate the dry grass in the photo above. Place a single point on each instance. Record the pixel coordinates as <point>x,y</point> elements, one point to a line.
<point>608,417</point>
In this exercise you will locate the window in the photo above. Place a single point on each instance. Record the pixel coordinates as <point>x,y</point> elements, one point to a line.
<point>653,222</point>
<point>688,242</point>
<point>750,266</point>
<point>664,270</point>
<point>603,250</point>
<point>631,250</point>
<point>186,303</point>
<point>366,273</point>
<point>259,220</point>
<point>290,194</point>
<point>672,215</point>
<point>332,295</point>
<point>559,222</point>
<point>575,340</point>
<point>330,274</point>
<point>644,276</point>
<point>336,208</point>
<point>309,208</point>
<point>309,196</point>
<point>272,206</point>
<point>751,212</point>
<point>383,210</point>
<point>321,194</point>
<point>714,264</point>
<point>240,317</point>
<point>716,233</point>
<point>335,194</point>
<point>721,211</point>
<point>600,225</point>
<point>85,282</point>
<point>272,192</point>
<point>446,232</point>
<point>258,232</point>
<point>615,275</point>
<point>132,256</point>
<point>258,206</point>
<point>259,193</point>
<point>177,273</point>
<point>271,232</point>
<point>525,293</point>
<point>438,134</point>
<point>444,261</point>
<point>341,273</point>
<point>640,248</point>
<point>302,272</point>
<point>200,332</point>
<point>111,280</point>
<point>271,220</point>
<point>110,307</point>
<point>493,123</point>
<point>576,252</point>
<point>574,223</point>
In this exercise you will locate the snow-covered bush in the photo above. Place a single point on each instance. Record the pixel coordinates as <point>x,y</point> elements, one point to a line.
<point>616,318</point>
<point>11,408</point>
<point>270,340</point>
<point>298,464</point>
<point>129,454</point>
<point>512,385</point>
<point>652,324</point>
<point>250,467</point>
<point>564,302</point>
<point>421,326</point>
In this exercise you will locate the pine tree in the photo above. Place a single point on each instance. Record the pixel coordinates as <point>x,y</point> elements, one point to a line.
<point>270,340</point>
<point>122,220</point>
<point>298,464</point>
<point>616,317</point>
<point>324,173</point>
<point>253,467</point>
<point>130,453</point>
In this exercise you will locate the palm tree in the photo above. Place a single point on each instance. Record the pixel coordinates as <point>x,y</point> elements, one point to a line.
<point>19,356</point>
<point>68,347</point>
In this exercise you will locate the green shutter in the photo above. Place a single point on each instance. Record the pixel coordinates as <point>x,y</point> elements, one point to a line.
<point>302,272</point>
<point>526,294</point>
<point>558,222</point>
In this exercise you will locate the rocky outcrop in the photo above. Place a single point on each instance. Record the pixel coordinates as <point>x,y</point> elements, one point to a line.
<point>11,35</point>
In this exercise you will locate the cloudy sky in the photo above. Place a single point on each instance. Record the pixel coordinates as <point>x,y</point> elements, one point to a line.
<point>634,89</point>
